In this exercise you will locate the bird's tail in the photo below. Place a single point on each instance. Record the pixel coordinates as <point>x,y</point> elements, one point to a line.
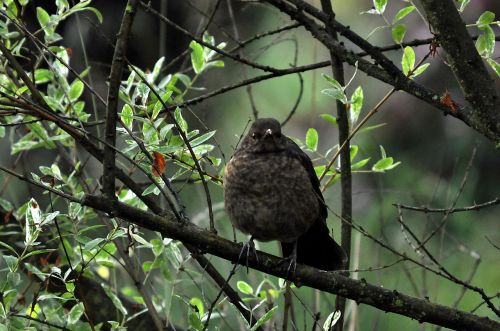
<point>317,249</point>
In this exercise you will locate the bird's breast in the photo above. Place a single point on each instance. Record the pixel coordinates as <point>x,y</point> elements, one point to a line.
<point>269,196</point>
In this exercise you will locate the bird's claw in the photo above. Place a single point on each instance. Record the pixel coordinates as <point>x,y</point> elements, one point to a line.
<point>247,247</point>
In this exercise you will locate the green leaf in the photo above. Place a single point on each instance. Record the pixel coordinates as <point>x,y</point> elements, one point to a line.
<point>494,65</point>
<point>157,68</point>
<point>331,320</point>
<point>196,302</point>
<point>39,251</point>
<point>195,321</point>
<point>43,76</point>
<point>75,90</point>
<point>244,287</point>
<point>147,266</point>
<point>329,118</point>
<point>8,247</point>
<point>11,262</point>
<point>485,19</point>
<point>408,60</point>
<point>359,164</point>
<point>2,132</point>
<point>336,94</point>
<point>353,150</point>
<point>402,13</point>
<point>93,243</point>
<point>201,139</point>
<point>114,298</point>
<point>382,152</point>
<point>197,58</point>
<point>180,120</point>
<point>485,44</point>
<point>372,127</point>
<point>312,139</point>
<point>127,116</point>
<point>42,16</point>
<point>383,164</point>
<point>420,69</point>
<point>159,104</point>
<point>356,104</point>
<point>335,84</point>
<point>463,4</point>
<point>380,5</point>
<point>75,313</point>
<point>266,317</point>
<point>398,33</point>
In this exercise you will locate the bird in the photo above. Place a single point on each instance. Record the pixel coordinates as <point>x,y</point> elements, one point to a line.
<point>271,192</point>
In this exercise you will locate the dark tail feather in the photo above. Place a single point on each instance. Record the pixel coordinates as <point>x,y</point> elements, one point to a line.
<point>317,249</point>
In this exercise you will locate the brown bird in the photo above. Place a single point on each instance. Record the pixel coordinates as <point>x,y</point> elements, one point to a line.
<point>271,192</point>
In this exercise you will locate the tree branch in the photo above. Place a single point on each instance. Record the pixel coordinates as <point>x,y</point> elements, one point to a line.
<point>468,67</point>
<point>332,282</point>
<point>115,76</point>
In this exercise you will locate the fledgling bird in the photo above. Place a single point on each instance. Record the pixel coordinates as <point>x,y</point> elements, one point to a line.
<point>271,192</point>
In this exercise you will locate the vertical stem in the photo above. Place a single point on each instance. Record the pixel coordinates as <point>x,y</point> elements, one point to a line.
<point>108,178</point>
<point>345,160</point>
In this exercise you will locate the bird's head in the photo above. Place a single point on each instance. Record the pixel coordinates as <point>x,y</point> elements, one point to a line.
<point>264,136</point>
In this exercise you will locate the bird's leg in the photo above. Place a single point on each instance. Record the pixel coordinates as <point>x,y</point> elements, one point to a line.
<point>247,247</point>
<point>292,262</point>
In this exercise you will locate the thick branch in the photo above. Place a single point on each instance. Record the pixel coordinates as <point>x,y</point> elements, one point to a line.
<point>468,67</point>
<point>115,77</point>
<point>345,159</point>
<point>360,291</point>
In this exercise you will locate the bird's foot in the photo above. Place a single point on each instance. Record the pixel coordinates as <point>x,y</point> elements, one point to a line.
<point>248,247</point>
<point>291,260</point>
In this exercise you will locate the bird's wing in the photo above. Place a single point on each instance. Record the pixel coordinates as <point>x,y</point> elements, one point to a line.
<point>295,151</point>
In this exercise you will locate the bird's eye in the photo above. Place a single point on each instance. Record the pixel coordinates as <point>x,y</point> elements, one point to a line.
<point>256,135</point>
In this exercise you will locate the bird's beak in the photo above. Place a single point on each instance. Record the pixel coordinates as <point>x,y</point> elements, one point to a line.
<point>268,132</point>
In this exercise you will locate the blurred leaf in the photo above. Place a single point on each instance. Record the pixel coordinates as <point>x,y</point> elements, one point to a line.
<point>380,5</point>
<point>266,317</point>
<point>408,60</point>
<point>329,118</point>
<point>485,44</point>
<point>359,164</point>
<point>43,17</point>
<point>312,139</point>
<point>485,19</point>
<point>402,13</point>
<point>114,298</point>
<point>398,33</point>
<point>43,76</point>
<point>180,120</point>
<point>197,58</point>
<point>463,4</point>
<point>353,151</point>
<point>331,320</point>
<point>201,139</point>
<point>336,94</point>
<point>75,90</point>
<point>196,302</point>
<point>244,287</point>
<point>157,69</point>
<point>372,127</point>
<point>2,132</point>
<point>75,313</point>
<point>127,116</point>
<point>335,84</point>
<point>159,104</point>
<point>494,65</point>
<point>356,104</point>
<point>420,69</point>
